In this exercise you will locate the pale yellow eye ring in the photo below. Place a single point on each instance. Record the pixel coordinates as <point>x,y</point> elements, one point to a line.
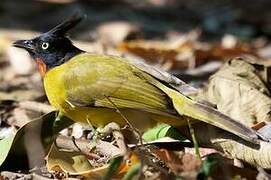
<point>45,45</point>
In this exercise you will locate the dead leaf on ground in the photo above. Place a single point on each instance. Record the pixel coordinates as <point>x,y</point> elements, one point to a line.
<point>76,163</point>
<point>26,148</point>
<point>239,90</point>
<point>161,52</point>
<point>184,162</point>
<point>184,52</point>
<point>73,163</point>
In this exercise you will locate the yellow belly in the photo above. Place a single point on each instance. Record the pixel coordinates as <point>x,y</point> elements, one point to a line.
<point>99,117</point>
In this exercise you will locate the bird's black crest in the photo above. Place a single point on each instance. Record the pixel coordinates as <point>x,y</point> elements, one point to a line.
<point>65,26</point>
<point>53,48</point>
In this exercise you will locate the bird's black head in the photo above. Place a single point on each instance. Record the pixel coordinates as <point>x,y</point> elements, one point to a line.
<point>52,48</point>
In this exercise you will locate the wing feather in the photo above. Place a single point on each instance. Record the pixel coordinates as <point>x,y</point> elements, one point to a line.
<point>91,80</point>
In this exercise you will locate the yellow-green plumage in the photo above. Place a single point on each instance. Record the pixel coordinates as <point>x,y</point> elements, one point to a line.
<point>85,87</point>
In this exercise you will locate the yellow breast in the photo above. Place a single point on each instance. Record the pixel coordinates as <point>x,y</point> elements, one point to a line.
<point>98,116</point>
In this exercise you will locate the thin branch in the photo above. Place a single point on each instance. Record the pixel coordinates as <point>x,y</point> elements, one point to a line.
<point>104,148</point>
<point>127,121</point>
<point>36,106</point>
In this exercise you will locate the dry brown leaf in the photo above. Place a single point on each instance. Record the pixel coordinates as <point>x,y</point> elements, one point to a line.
<point>162,52</point>
<point>73,163</point>
<point>232,146</point>
<point>179,163</point>
<point>76,163</point>
<point>20,95</point>
<point>202,151</point>
<point>239,91</point>
<point>184,54</point>
<point>220,52</point>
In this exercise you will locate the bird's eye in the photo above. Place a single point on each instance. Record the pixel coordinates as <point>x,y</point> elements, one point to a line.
<point>45,45</point>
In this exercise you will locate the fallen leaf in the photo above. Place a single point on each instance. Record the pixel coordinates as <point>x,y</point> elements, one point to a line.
<point>238,89</point>
<point>16,149</point>
<point>161,131</point>
<point>76,163</point>
<point>160,52</point>
<point>184,54</point>
<point>73,163</point>
<point>181,163</point>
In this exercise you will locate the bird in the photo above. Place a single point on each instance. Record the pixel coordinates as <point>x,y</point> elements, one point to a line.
<point>99,89</point>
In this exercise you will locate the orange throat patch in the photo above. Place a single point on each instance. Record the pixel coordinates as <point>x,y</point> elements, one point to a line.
<point>41,66</point>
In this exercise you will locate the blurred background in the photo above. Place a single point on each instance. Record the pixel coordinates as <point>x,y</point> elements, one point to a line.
<point>245,19</point>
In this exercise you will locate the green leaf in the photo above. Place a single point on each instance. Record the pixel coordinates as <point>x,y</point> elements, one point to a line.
<point>162,130</point>
<point>5,145</point>
<point>207,167</point>
<point>132,172</point>
<point>115,163</point>
<point>14,151</point>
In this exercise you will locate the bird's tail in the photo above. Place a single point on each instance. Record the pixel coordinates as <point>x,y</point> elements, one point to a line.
<point>187,107</point>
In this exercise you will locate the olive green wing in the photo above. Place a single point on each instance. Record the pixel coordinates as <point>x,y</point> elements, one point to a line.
<point>100,81</point>
<point>164,77</point>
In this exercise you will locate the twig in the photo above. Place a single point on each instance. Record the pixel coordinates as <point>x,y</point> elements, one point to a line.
<point>127,121</point>
<point>74,143</point>
<point>13,175</point>
<point>262,174</point>
<point>20,116</point>
<point>133,128</point>
<point>104,148</point>
<point>36,106</point>
<point>143,153</point>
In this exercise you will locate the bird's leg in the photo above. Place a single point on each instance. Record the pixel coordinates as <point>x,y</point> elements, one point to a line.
<point>95,138</point>
<point>59,116</point>
<point>127,121</point>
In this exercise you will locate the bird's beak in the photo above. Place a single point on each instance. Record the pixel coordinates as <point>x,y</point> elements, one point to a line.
<point>25,44</point>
